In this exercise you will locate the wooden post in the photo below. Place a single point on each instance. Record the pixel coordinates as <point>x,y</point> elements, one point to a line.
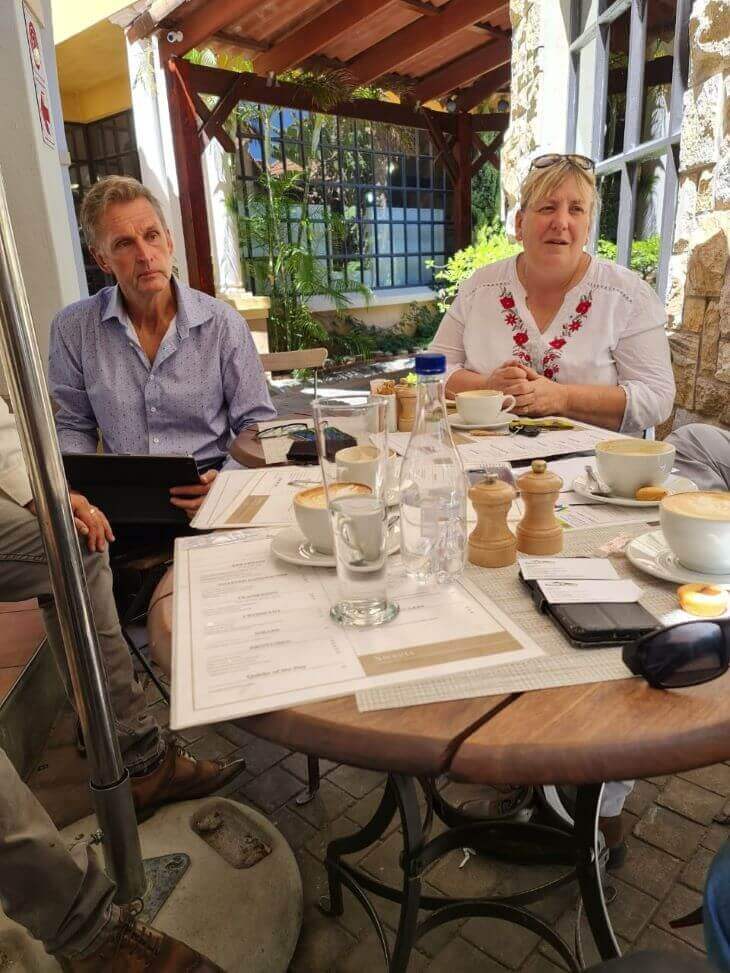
<point>191,184</point>
<point>462,186</point>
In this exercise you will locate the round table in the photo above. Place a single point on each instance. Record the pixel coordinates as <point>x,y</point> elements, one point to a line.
<point>573,735</point>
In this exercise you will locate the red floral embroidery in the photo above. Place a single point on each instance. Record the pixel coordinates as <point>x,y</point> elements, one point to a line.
<point>550,365</point>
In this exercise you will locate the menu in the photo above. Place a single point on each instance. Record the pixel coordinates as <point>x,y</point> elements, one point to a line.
<point>252,634</point>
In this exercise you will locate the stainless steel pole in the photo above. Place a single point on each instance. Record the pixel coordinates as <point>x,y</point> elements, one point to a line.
<point>23,369</point>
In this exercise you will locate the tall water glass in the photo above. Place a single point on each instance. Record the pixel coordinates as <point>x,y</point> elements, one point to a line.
<point>352,444</point>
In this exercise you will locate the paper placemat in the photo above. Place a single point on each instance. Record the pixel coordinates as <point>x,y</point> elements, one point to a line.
<point>563,664</point>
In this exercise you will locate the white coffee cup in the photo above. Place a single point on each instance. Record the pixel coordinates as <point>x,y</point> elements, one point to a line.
<point>626,465</point>
<point>359,464</point>
<point>697,528</point>
<point>483,405</point>
<point>313,517</point>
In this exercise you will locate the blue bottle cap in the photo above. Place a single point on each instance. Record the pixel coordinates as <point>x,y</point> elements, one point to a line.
<point>430,363</point>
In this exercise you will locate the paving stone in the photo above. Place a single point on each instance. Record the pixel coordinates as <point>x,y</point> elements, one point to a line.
<point>714,778</point>
<point>648,868</point>
<point>383,862</point>
<point>433,942</point>
<point>715,836</point>
<point>565,927</point>
<point>356,781</point>
<point>192,734</point>
<point>462,956</point>
<point>270,790</point>
<point>695,871</point>
<point>367,956</point>
<point>658,939</point>
<point>296,830</point>
<point>630,910</point>
<point>328,803</point>
<point>314,879</point>
<point>213,747</point>
<point>260,755</point>
<point>321,943</point>
<point>236,734</point>
<point>680,902</point>
<point>669,831</point>
<point>296,763</point>
<point>505,942</point>
<point>539,963</point>
<point>643,796</point>
<point>659,781</point>
<point>339,828</point>
<point>692,801</point>
<point>362,811</point>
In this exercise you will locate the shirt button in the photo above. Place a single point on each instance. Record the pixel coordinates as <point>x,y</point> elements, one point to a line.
<point>156,439</point>
<point>153,408</point>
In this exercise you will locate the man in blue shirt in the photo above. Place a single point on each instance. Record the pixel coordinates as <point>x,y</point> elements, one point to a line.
<point>150,365</point>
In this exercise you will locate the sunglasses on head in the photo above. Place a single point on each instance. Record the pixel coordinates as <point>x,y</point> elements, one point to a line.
<point>545,161</point>
<point>687,654</point>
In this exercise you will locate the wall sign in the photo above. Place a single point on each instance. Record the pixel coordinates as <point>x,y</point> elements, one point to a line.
<point>40,79</point>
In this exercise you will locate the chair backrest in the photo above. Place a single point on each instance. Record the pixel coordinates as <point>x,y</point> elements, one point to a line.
<point>285,361</point>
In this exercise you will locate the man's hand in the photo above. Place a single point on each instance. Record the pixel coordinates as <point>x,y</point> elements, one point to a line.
<point>90,522</point>
<point>536,395</point>
<point>196,494</point>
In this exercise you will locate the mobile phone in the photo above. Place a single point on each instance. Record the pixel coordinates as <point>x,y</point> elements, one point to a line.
<point>593,626</point>
<point>304,447</point>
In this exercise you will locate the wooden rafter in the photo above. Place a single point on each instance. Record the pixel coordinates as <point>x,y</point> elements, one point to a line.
<point>217,118</point>
<point>220,133</point>
<point>463,70</point>
<point>200,25</point>
<point>444,148</point>
<point>215,81</point>
<point>419,36</point>
<point>492,122</point>
<point>315,35</point>
<point>427,9</point>
<point>483,88</point>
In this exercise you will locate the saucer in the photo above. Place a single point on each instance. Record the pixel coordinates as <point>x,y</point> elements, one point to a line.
<point>673,484</point>
<point>650,553</point>
<point>291,546</point>
<point>503,420</point>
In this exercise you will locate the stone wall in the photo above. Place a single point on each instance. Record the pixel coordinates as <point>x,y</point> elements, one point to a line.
<point>698,298</point>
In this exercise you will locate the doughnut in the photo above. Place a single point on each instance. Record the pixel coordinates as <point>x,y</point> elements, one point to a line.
<point>650,493</point>
<point>705,600</point>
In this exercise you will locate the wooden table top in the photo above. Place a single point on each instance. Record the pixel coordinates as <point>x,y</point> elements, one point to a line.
<point>248,451</point>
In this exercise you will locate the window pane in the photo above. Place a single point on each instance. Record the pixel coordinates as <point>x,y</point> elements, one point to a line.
<point>648,217</point>
<point>618,62</point>
<point>657,70</point>
<point>414,271</point>
<point>110,144</point>
<point>385,277</point>
<point>399,272</point>
<point>609,188</point>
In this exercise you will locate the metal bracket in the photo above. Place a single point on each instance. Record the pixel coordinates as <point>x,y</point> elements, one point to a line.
<point>162,876</point>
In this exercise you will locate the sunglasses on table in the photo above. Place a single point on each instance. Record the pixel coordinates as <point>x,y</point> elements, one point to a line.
<point>683,655</point>
<point>297,430</point>
<point>552,158</point>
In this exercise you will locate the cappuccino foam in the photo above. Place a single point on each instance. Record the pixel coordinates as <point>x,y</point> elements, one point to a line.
<point>703,505</point>
<point>316,498</point>
<point>633,447</point>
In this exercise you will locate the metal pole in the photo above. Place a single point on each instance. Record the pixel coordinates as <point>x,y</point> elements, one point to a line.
<point>23,369</point>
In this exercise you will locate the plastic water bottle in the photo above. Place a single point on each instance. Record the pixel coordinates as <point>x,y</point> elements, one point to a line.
<point>433,485</point>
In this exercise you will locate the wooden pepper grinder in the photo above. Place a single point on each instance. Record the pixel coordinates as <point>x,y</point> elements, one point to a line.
<point>492,544</point>
<point>539,531</point>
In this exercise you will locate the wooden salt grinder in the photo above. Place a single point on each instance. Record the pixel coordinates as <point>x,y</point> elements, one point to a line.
<point>406,397</point>
<point>492,544</point>
<point>539,531</point>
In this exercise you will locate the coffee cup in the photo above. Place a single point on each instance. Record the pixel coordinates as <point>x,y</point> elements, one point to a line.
<point>313,517</point>
<point>627,464</point>
<point>483,405</point>
<point>696,526</point>
<point>360,464</point>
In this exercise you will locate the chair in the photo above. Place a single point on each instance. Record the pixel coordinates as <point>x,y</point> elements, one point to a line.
<point>286,361</point>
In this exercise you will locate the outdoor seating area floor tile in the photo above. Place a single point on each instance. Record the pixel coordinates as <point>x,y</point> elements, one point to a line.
<point>674,839</point>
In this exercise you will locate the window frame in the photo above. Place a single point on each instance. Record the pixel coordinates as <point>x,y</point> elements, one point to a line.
<point>635,152</point>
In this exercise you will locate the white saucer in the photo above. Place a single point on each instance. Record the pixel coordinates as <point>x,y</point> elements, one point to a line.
<point>674,484</point>
<point>503,420</point>
<point>290,545</point>
<point>651,553</point>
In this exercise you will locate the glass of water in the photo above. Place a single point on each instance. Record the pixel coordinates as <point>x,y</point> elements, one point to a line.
<point>352,445</point>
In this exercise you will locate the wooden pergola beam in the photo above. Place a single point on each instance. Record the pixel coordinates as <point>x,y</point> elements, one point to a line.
<point>422,34</point>
<point>483,88</point>
<point>220,133</point>
<point>315,35</point>
<point>444,149</point>
<point>203,23</point>
<point>463,70</point>
<point>215,121</point>
<point>215,81</point>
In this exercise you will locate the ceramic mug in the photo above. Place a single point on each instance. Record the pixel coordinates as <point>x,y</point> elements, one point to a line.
<point>697,528</point>
<point>313,517</point>
<point>483,405</point>
<point>626,465</point>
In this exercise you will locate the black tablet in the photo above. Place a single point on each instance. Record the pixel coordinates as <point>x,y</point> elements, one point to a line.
<point>131,489</point>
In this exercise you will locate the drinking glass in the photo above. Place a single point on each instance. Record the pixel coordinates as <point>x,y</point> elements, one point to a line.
<point>352,445</point>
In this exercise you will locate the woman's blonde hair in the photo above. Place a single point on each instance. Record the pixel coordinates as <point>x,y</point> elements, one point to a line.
<point>540,183</point>
<point>105,192</point>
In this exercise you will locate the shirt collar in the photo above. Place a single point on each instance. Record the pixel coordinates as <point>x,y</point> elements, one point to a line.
<point>191,311</point>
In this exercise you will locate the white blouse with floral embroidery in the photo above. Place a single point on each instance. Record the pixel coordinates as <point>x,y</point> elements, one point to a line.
<point>610,330</point>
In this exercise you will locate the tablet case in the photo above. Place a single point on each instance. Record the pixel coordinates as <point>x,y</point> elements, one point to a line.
<point>131,489</point>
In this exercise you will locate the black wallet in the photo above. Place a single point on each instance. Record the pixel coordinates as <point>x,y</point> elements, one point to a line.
<point>593,626</point>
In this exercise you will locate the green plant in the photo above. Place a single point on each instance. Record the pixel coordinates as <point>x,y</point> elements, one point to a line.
<point>491,244</point>
<point>644,255</point>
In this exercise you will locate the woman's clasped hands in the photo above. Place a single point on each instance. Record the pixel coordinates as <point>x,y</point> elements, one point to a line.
<point>535,395</point>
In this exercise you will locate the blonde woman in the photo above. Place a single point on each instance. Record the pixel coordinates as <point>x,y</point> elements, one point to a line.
<point>564,332</point>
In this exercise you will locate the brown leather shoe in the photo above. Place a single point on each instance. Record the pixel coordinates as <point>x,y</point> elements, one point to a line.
<point>180,777</point>
<point>132,947</point>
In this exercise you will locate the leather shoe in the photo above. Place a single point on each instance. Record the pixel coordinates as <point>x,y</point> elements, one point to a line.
<point>180,777</point>
<point>613,832</point>
<point>130,946</point>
